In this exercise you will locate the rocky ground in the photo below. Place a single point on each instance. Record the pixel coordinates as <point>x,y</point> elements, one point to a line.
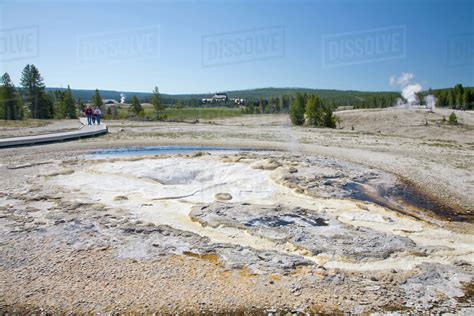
<point>363,220</point>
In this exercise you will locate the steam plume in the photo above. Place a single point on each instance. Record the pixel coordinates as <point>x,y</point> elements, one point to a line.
<point>430,101</point>
<point>409,89</point>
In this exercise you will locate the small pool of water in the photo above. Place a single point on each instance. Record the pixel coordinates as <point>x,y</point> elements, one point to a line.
<point>159,150</point>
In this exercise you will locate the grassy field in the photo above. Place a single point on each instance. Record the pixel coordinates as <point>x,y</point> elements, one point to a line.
<point>201,113</point>
<point>23,123</point>
<point>188,114</point>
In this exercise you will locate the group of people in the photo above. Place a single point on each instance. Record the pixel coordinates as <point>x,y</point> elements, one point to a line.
<point>93,115</point>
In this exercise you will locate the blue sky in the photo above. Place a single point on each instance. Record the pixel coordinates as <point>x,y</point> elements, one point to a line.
<point>182,35</point>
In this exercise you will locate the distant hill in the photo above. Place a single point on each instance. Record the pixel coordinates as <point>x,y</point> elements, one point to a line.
<point>340,96</point>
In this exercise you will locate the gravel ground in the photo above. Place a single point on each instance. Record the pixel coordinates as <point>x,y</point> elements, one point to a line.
<point>38,127</point>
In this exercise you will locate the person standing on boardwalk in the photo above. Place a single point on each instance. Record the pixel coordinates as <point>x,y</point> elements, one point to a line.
<point>89,112</point>
<point>98,114</point>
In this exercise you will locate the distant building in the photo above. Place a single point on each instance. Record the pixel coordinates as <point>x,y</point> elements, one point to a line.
<point>216,98</point>
<point>220,97</point>
<point>238,101</point>
<point>110,101</point>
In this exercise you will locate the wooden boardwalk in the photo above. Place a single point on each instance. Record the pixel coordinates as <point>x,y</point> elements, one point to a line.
<point>84,131</point>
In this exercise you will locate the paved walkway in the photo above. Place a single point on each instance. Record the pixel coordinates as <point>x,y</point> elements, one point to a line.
<point>84,131</point>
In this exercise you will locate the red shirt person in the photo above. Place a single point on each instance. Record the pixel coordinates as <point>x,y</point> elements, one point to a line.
<point>88,112</point>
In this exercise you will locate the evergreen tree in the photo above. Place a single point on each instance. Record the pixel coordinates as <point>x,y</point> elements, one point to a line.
<point>136,107</point>
<point>466,98</point>
<point>313,111</point>
<point>158,106</point>
<point>441,97</point>
<point>9,98</point>
<point>458,89</point>
<point>277,105</point>
<point>60,106</point>
<point>374,102</point>
<point>459,99</point>
<point>19,103</point>
<point>297,110</point>
<point>251,108</point>
<point>46,107</point>
<point>69,104</point>
<point>97,99</point>
<point>81,105</point>
<point>2,104</point>
<point>329,119</point>
<point>33,88</point>
<point>450,98</point>
<point>261,105</point>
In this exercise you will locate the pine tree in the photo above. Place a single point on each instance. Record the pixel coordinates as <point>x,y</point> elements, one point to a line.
<point>157,104</point>
<point>441,97</point>
<point>136,107</point>
<point>57,97</point>
<point>19,107</point>
<point>297,110</point>
<point>261,105</point>
<point>374,102</point>
<point>329,119</point>
<point>81,106</point>
<point>313,111</point>
<point>459,100</point>
<point>251,108</point>
<point>33,88</point>
<point>69,103</point>
<point>466,98</point>
<point>9,98</point>
<point>2,103</point>
<point>450,98</point>
<point>277,105</point>
<point>458,92</point>
<point>97,99</point>
<point>46,106</point>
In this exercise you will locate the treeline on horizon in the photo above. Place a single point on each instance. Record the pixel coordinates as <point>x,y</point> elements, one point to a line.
<point>33,100</point>
<point>458,97</point>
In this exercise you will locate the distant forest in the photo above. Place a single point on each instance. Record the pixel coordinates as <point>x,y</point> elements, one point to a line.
<point>458,97</point>
<point>34,100</point>
<point>335,98</point>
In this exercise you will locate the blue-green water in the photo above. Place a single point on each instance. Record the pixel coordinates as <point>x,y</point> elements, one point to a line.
<point>159,150</point>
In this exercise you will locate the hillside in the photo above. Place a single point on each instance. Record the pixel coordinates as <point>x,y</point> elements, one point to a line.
<point>343,97</point>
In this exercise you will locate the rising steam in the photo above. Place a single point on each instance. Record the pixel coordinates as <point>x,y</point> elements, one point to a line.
<point>430,101</point>
<point>409,91</point>
<point>122,98</point>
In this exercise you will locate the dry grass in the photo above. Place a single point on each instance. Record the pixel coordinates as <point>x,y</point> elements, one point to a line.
<point>23,123</point>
